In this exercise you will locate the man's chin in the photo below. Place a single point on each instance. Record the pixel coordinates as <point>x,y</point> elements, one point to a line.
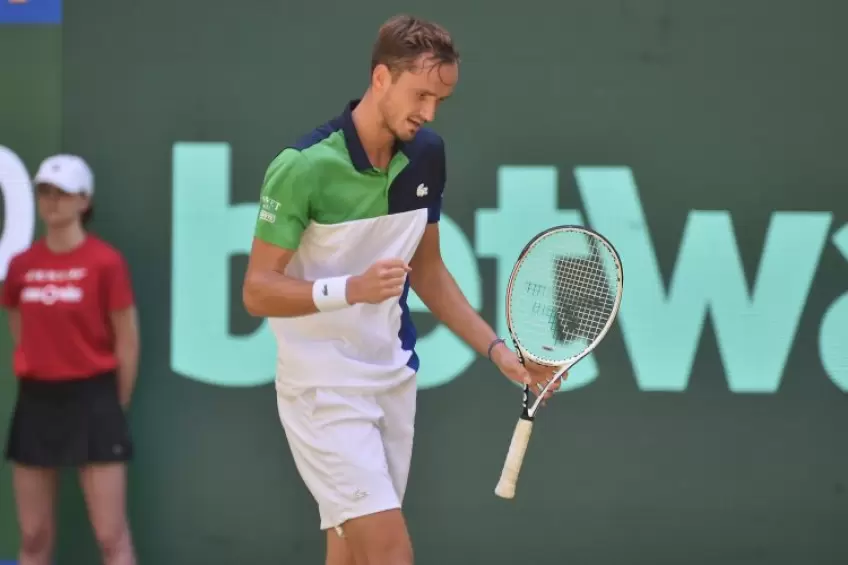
<point>406,134</point>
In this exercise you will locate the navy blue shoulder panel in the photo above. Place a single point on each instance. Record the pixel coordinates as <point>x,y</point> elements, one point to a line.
<point>422,182</point>
<point>420,185</point>
<point>318,134</point>
<point>426,144</point>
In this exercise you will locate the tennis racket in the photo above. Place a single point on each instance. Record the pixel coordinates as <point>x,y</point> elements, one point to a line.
<point>563,297</point>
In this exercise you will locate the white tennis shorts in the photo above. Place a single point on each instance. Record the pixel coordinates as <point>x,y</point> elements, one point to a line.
<point>352,450</point>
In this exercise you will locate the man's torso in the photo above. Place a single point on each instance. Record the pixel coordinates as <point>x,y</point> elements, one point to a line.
<point>351,216</point>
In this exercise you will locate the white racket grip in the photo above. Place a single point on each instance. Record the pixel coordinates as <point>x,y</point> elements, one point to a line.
<point>514,459</point>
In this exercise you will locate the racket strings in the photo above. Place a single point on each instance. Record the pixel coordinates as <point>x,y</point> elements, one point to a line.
<point>567,295</point>
<point>584,299</point>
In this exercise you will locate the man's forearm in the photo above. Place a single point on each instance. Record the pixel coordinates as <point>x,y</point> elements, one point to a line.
<point>440,293</point>
<point>274,295</point>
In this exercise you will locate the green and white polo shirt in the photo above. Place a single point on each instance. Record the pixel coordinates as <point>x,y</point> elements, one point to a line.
<point>322,198</point>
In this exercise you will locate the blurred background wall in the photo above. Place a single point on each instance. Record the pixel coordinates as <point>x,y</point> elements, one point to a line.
<point>707,140</point>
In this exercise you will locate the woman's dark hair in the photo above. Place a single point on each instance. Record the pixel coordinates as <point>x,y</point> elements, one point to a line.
<point>87,215</point>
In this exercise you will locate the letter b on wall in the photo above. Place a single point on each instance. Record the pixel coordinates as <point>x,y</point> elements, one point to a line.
<point>207,231</point>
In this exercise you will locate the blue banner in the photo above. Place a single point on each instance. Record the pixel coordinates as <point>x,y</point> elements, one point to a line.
<point>28,12</point>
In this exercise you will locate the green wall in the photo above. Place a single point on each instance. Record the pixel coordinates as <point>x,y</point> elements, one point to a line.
<point>30,126</point>
<point>709,427</point>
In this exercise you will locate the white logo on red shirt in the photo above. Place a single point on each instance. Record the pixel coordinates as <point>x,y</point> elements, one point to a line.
<point>51,293</point>
<point>52,275</point>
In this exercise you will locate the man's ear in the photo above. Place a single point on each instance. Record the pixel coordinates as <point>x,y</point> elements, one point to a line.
<point>381,78</point>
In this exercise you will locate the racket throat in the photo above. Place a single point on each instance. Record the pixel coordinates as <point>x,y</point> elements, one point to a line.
<point>530,412</point>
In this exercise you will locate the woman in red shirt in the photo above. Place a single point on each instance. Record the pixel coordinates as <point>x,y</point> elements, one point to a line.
<point>72,314</point>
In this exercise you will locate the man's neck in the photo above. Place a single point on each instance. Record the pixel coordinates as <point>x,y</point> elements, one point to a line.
<point>377,141</point>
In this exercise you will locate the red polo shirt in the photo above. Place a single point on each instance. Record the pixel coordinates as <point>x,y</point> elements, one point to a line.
<point>65,301</point>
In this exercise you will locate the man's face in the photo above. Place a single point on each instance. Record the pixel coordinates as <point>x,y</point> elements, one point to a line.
<point>410,99</point>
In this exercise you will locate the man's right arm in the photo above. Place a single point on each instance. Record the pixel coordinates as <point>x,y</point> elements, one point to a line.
<point>283,216</point>
<point>267,292</point>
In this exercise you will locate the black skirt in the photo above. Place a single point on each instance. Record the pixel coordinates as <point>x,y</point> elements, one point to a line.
<point>69,423</point>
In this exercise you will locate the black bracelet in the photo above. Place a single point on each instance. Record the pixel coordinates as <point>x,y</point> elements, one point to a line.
<point>492,346</point>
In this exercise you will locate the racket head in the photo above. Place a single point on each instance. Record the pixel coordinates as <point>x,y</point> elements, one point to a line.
<point>563,295</point>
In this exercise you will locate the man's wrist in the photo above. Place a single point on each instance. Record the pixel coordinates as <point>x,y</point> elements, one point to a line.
<point>493,347</point>
<point>352,290</point>
<point>330,294</point>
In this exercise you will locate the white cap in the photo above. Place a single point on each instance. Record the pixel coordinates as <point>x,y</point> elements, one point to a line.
<point>69,173</point>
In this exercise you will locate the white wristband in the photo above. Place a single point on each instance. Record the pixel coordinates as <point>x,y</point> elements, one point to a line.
<point>329,294</point>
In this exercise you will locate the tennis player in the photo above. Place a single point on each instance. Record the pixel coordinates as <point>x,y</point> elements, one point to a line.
<point>348,222</point>
<point>72,314</point>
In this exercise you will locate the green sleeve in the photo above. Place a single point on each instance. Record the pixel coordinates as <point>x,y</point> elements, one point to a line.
<point>284,201</point>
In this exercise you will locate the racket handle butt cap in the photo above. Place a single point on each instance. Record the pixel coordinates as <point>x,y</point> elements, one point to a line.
<point>505,490</point>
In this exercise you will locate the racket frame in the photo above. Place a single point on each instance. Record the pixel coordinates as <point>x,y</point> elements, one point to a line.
<point>518,445</point>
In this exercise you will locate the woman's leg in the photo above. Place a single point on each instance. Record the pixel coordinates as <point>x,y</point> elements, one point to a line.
<point>104,487</point>
<point>35,494</point>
